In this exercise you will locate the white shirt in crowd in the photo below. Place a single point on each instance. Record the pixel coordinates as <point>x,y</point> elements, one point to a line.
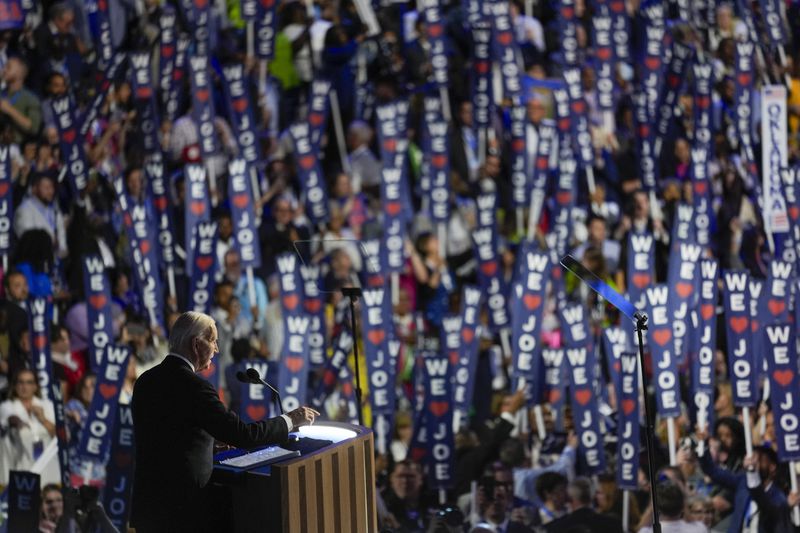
<point>18,444</point>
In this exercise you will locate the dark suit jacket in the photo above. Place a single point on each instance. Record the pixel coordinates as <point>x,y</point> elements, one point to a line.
<point>586,519</point>
<point>176,417</point>
<point>773,507</point>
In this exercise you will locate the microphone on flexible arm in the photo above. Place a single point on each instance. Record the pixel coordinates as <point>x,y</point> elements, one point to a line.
<point>252,376</point>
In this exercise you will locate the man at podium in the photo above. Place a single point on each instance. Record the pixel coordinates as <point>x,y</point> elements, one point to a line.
<point>177,415</point>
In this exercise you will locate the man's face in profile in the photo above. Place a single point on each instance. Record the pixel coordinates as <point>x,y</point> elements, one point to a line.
<point>205,349</point>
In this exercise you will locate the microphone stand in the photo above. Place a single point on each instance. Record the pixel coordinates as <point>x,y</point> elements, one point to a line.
<point>641,326</point>
<point>353,293</point>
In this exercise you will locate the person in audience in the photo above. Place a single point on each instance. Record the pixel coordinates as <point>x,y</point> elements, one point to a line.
<point>551,487</point>
<point>581,514</point>
<point>28,420</point>
<point>18,105</point>
<point>52,508</point>
<point>671,503</point>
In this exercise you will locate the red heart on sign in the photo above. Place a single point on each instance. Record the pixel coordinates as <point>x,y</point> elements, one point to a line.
<point>107,390</point>
<point>583,396</point>
<point>307,162</point>
<point>198,207</point>
<point>563,124</point>
<point>435,31</point>
<point>202,95</point>
<point>482,67</point>
<point>39,342</point>
<point>532,301</point>
<point>393,208</point>
<point>204,262</point>
<point>467,335</point>
<point>640,280</point>
<point>315,119</point>
<point>390,145</point>
<point>329,378</point>
<point>554,395</point>
<point>776,307</point>
<point>628,406</point>
<point>294,364</point>
<point>240,105</point>
<point>161,204</point>
<point>439,408</point>
<point>700,187</point>
<point>567,12</point>
<point>673,80</point>
<point>200,4</point>
<point>143,92</point>
<point>347,389</point>
<point>707,311</point>
<point>684,289</point>
<point>97,300</point>
<point>256,412</point>
<point>241,200</point>
<point>290,301</point>
<point>376,336</point>
<point>744,79</point>
<point>617,366</point>
<point>754,325</point>
<point>439,161</point>
<point>783,377</point>
<point>68,136</point>
<point>739,323</point>
<point>490,268</point>
<point>541,163</point>
<point>123,459</point>
<point>453,355</point>
<point>703,102</point>
<point>144,246</point>
<point>618,6</point>
<point>167,50</point>
<point>563,197</point>
<point>644,131</point>
<point>177,74</point>
<point>504,38</point>
<point>3,188</point>
<point>652,62</point>
<point>662,336</point>
<point>312,305</point>
<point>794,212</point>
<point>267,3</point>
<point>603,54</point>
<point>417,454</point>
<point>578,106</point>
<point>518,145</point>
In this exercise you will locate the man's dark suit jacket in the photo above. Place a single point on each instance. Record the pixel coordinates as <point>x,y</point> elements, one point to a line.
<point>586,519</point>
<point>176,417</point>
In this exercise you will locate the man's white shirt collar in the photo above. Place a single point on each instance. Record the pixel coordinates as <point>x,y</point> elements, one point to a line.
<point>179,356</point>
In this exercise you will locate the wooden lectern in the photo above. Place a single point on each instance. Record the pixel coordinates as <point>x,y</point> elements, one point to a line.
<point>329,489</point>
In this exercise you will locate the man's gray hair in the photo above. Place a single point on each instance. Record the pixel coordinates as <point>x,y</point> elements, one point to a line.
<point>188,327</point>
<point>580,490</point>
<point>361,130</point>
<point>59,9</point>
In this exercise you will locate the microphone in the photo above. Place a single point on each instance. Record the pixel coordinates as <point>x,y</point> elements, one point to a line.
<point>252,376</point>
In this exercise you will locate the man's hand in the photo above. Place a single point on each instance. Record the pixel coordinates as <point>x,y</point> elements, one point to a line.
<point>750,462</point>
<point>512,403</point>
<point>794,499</point>
<point>302,416</point>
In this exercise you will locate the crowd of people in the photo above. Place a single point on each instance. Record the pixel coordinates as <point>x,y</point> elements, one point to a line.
<point>505,478</point>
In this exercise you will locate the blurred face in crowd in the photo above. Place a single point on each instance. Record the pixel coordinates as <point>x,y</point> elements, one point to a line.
<point>341,263</point>
<point>597,230</point>
<point>341,186</point>
<point>726,437</point>
<point>682,152</point>
<point>18,287</point>
<point>87,389</point>
<point>725,18</point>
<point>406,481</point>
<point>61,344</point>
<point>766,468</point>
<point>465,113</point>
<point>233,266</point>
<point>57,85</point>
<point>641,205</point>
<point>558,497</point>
<point>503,493</point>
<point>403,306</point>
<point>15,71</point>
<point>282,212</point>
<point>225,228</point>
<point>536,110</point>
<point>25,385</point>
<point>65,22</point>
<point>701,511</point>
<point>224,293</point>
<point>52,505</point>
<point>45,190</point>
<point>135,182</point>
